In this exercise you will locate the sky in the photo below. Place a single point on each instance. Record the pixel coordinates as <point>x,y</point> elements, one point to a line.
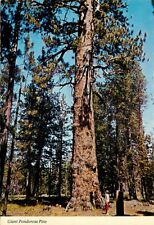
<point>141,16</point>
<point>143,19</point>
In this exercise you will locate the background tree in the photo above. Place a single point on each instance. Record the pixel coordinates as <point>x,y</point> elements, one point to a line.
<point>117,115</point>
<point>34,128</point>
<point>9,48</point>
<point>13,32</point>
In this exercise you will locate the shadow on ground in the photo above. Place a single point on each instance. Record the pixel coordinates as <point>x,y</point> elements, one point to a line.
<point>146,213</point>
<point>42,200</point>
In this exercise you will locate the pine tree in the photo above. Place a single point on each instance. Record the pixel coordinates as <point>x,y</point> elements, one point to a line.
<point>36,123</point>
<point>85,180</point>
<point>10,160</point>
<point>10,37</point>
<point>118,114</point>
<point>91,33</point>
<point>102,34</point>
<point>14,28</point>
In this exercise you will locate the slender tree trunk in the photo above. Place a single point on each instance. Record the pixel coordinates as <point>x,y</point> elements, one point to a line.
<point>49,179</point>
<point>28,185</point>
<point>37,172</point>
<point>60,162</point>
<point>85,174</point>
<point>143,160</point>
<point>40,146</point>
<point>121,156</point>
<point>29,176</point>
<point>8,182</point>
<point>130,165</point>
<point>12,72</point>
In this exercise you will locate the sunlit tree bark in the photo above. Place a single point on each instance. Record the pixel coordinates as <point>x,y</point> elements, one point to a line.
<point>85,188</point>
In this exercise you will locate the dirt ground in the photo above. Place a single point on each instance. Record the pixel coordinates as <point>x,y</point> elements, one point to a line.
<point>132,208</point>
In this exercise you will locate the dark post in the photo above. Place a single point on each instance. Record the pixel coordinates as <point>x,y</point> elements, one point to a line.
<point>120,201</point>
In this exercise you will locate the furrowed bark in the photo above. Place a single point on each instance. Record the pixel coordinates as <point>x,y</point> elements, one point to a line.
<point>85,189</point>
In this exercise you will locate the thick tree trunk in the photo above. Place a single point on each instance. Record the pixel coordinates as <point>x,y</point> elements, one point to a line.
<point>85,188</point>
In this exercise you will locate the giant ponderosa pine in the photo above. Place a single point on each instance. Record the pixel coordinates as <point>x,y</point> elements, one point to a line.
<point>85,174</point>
<point>91,30</point>
<point>85,177</point>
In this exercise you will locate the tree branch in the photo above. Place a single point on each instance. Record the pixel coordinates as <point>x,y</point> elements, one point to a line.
<point>73,8</point>
<point>101,67</point>
<point>61,53</point>
<point>96,92</point>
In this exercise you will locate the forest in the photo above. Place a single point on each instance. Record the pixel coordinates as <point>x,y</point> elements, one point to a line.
<point>72,96</point>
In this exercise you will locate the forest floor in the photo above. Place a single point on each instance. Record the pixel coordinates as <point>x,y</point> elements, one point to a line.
<point>132,208</point>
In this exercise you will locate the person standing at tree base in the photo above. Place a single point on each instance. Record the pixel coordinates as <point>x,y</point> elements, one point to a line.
<point>107,202</point>
<point>120,201</point>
